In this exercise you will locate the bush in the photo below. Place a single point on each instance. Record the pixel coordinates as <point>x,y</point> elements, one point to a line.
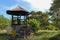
<point>34,23</point>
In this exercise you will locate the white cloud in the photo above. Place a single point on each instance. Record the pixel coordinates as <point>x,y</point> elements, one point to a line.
<point>39,5</point>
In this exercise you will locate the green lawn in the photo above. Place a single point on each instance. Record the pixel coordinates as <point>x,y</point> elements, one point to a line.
<point>46,36</point>
<point>42,35</point>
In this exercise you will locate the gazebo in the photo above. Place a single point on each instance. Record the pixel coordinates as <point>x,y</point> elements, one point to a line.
<point>19,15</point>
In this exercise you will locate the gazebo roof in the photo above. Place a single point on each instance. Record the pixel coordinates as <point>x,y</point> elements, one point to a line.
<point>17,11</point>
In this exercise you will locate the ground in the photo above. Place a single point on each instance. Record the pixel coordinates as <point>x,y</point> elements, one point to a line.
<point>41,35</point>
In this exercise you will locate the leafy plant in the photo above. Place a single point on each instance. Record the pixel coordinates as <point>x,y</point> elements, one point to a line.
<point>34,23</point>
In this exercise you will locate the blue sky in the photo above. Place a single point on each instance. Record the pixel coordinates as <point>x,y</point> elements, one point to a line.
<point>35,5</point>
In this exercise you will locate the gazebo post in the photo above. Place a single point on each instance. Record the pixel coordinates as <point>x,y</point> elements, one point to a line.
<point>12,20</point>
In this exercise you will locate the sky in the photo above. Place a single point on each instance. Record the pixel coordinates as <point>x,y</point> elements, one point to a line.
<point>30,5</point>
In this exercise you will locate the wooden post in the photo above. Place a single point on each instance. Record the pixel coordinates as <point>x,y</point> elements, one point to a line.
<point>12,20</point>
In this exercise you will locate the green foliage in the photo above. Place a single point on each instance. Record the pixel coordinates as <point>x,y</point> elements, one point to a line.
<point>55,10</point>
<point>41,17</point>
<point>44,19</point>
<point>55,5</point>
<point>4,22</point>
<point>34,23</point>
<point>51,27</point>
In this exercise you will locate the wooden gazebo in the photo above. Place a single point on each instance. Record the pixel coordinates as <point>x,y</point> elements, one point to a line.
<point>17,14</point>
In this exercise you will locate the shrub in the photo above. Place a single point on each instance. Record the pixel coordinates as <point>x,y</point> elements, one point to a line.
<point>34,23</point>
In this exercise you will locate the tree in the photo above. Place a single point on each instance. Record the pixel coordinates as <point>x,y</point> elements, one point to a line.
<point>34,23</point>
<point>55,5</point>
<point>4,22</point>
<point>55,10</point>
<point>41,17</point>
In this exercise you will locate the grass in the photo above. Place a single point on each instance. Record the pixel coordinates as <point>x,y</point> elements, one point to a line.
<point>45,35</point>
<point>48,31</point>
<point>41,35</point>
<point>3,38</point>
<point>3,35</point>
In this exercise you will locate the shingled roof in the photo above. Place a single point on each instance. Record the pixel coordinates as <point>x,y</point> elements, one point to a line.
<point>17,11</point>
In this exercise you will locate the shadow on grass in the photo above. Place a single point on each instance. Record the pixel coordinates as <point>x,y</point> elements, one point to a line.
<point>56,37</point>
